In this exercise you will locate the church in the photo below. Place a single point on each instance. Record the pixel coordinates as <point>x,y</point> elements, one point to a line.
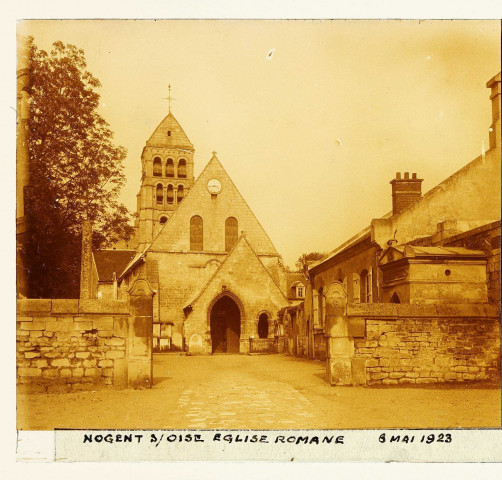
<point>218,279</point>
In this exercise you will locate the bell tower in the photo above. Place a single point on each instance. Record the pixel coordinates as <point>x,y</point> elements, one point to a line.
<point>166,178</point>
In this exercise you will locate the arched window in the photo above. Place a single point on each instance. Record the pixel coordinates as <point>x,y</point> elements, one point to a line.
<point>157,167</point>
<point>163,220</point>
<point>263,326</point>
<point>170,194</point>
<point>182,168</point>
<point>196,234</point>
<point>181,194</point>
<point>231,233</point>
<point>160,193</point>
<point>169,168</point>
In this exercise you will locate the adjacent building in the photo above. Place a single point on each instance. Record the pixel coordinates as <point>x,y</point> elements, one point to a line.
<point>440,247</point>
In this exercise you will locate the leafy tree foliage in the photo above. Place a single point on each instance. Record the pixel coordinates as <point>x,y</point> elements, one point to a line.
<point>76,171</point>
<point>307,258</point>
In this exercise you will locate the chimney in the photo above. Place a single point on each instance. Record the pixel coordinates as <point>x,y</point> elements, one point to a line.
<point>494,84</point>
<point>405,192</point>
<point>86,261</point>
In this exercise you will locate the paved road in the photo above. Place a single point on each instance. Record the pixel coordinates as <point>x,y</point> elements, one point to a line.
<point>259,392</point>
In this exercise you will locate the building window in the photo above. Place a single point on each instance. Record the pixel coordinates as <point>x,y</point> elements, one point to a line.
<point>163,220</point>
<point>169,168</point>
<point>170,194</point>
<point>182,168</point>
<point>263,326</point>
<point>160,193</point>
<point>366,286</point>
<point>196,234</point>
<point>181,194</point>
<point>395,298</point>
<point>300,291</point>
<point>157,167</point>
<point>231,233</point>
<point>169,133</point>
<point>356,288</point>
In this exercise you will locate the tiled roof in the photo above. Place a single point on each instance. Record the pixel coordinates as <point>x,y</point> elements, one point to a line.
<point>110,261</point>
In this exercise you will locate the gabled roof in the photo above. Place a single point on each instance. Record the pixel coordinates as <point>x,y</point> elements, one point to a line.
<point>109,262</point>
<point>176,139</point>
<point>175,236</point>
<point>133,262</point>
<point>241,241</point>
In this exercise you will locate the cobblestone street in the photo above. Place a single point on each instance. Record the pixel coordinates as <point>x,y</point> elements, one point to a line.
<point>259,392</point>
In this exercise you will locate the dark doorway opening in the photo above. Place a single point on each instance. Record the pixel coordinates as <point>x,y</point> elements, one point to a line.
<point>263,326</point>
<point>225,319</point>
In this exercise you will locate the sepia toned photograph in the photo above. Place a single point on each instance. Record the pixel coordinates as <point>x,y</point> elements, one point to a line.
<point>258,224</point>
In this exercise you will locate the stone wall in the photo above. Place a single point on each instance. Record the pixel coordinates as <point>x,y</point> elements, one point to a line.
<point>403,344</point>
<point>263,345</point>
<point>70,345</point>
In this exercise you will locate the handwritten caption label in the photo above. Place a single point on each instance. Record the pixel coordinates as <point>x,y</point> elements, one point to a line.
<point>158,438</point>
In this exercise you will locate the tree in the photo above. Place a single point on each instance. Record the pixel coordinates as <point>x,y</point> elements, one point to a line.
<point>306,258</point>
<point>76,171</point>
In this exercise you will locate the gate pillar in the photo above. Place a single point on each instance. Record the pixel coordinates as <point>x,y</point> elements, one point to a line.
<point>340,347</point>
<point>140,338</point>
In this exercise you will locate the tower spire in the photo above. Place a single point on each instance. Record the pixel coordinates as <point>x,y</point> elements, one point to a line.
<point>169,98</point>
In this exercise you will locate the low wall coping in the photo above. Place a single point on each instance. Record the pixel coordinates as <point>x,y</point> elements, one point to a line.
<point>71,306</point>
<point>388,310</point>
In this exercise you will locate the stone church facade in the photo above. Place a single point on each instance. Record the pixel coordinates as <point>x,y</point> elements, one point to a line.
<point>218,278</point>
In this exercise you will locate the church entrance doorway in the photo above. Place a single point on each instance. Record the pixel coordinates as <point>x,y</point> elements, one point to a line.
<point>225,319</point>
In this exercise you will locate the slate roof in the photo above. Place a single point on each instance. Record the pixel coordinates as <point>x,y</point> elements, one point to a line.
<point>438,251</point>
<point>177,139</point>
<point>109,261</point>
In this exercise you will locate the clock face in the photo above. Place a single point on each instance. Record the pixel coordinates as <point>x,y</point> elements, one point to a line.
<point>214,186</point>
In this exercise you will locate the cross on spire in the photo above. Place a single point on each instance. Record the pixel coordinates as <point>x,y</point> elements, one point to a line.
<point>169,98</point>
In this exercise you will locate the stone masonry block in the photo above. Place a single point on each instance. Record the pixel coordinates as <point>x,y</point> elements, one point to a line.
<point>65,306</point>
<point>29,372</point>
<point>121,326</point>
<point>40,363</point>
<point>34,305</point>
<point>60,324</point>
<point>104,306</point>
<point>115,342</point>
<point>103,323</point>
<point>33,325</point>
<point>80,325</point>
<point>105,333</point>
<point>115,354</point>
<point>65,372</point>
<point>78,372</point>
<point>105,363</point>
<point>31,354</point>
<point>50,372</point>
<point>60,362</point>
<point>82,354</point>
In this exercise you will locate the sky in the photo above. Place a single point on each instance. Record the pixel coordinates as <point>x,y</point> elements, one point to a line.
<point>312,134</point>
